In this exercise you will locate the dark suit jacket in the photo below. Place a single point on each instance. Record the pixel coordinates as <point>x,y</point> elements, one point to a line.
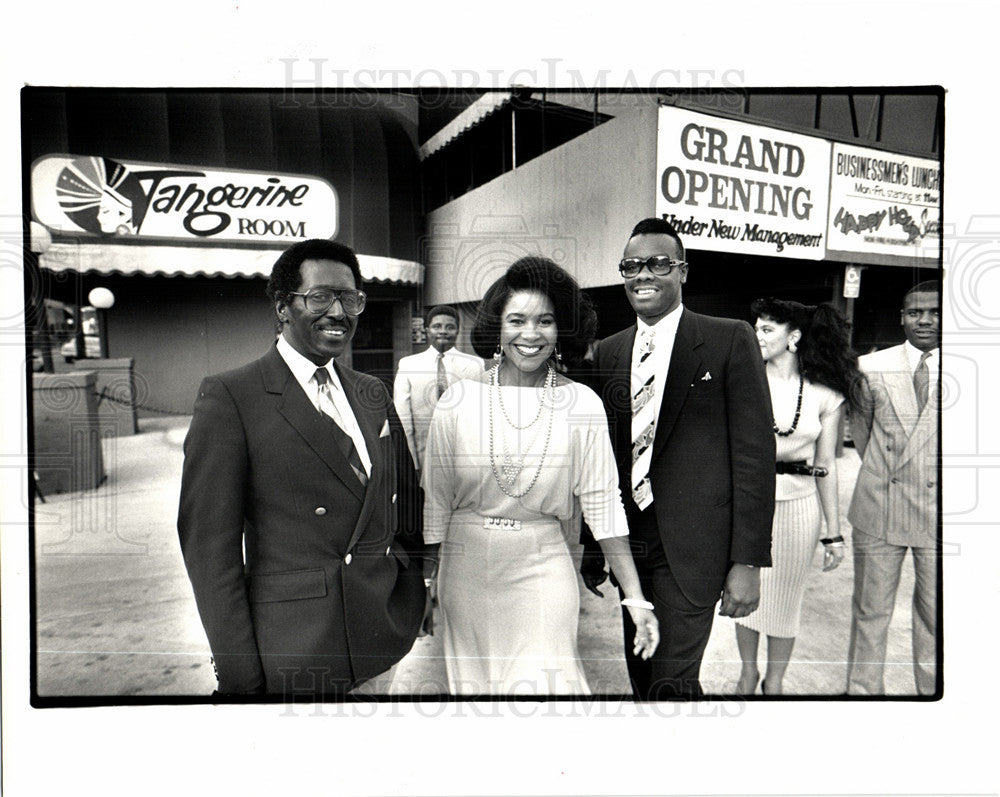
<point>712,472</point>
<point>327,581</point>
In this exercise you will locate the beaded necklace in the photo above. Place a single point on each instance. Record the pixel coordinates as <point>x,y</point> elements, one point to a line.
<point>795,420</point>
<point>512,467</point>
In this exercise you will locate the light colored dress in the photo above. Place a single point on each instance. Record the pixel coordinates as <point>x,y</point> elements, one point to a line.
<point>797,516</point>
<point>509,598</point>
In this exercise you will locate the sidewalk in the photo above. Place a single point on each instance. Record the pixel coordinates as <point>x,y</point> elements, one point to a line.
<point>116,616</point>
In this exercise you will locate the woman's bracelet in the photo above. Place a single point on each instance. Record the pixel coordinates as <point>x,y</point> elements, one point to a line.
<point>637,603</point>
<point>832,540</point>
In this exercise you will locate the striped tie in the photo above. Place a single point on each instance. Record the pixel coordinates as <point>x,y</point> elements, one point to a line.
<point>922,381</point>
<point>329,409</point>
<point>442,375</point>
<point>643,420</point>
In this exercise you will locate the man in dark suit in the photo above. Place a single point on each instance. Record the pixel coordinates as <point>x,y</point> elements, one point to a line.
<point>299,508</point>
<point>691,424</point>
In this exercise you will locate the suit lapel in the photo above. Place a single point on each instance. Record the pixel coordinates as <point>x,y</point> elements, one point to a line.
<point>684,364</point>
<point>924,427</point>
<point>370,417</point>
<point>899,387</point>
<point>619,370</point>
<point>298,410</point>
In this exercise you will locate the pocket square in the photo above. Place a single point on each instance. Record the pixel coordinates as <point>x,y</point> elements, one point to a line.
<point>385,429</point>
<point>707,377</point>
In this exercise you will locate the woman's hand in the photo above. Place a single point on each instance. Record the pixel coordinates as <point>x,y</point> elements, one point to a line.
<point>833,555</point>
<point>647,631</point>
<point>430,603</point>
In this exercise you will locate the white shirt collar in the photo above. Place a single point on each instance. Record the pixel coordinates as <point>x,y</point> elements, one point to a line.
<point>665,326</point>
<point>913,355</point>
<point>303,369</point>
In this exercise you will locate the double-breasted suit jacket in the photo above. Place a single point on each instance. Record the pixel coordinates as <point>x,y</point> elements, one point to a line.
<point>712,471</point>
<point>325,596</point>
<point>895,498</point>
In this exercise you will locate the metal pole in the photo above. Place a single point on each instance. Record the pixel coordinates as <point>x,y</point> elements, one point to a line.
<point>513,138</point>
<point>102,323</point>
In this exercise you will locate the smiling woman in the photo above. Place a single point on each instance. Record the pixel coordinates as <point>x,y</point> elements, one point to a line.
<point>527,337</point>
<point>509,599</point>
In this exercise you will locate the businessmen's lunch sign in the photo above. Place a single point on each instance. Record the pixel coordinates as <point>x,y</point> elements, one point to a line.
<point>884,204</point>
<point>729,186</point>
<point>92,195</point>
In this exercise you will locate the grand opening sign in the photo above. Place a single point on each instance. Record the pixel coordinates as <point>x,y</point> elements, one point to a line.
<point>729,186</point>
<point>98,196</point>
<point>883,204</point>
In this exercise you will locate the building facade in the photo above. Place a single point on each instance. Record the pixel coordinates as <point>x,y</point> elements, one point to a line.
<point>806,195</point>
<point>179,202</point>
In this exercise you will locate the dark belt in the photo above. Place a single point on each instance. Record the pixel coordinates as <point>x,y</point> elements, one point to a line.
<point>799,468</point>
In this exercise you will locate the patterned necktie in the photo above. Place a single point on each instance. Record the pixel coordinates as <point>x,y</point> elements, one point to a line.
<point>922,381</point>
<point>339,428</point>
<point>442,375</point>
<point>643,420</point>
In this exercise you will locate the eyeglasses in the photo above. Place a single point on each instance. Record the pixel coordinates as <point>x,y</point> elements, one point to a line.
<point>658,265</point>
<point>319,300</point>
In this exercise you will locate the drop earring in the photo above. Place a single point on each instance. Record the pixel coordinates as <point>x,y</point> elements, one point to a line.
<point>498,355</point>
<point>558,356</point>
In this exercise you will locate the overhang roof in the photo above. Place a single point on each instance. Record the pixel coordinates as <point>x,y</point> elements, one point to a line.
<point>490,102</point>
<point>189,261</point>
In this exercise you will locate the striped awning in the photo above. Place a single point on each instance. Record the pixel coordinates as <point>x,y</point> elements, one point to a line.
<point>189,261</point>
<point>489,103</point>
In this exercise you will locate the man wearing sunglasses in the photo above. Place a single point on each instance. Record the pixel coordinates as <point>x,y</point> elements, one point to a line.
<point>299,507</point>
<point>690,416</point>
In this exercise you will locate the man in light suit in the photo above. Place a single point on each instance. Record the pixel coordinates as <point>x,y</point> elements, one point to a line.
<point>895,499</point>
<point>691,424</point>
<point>299,509</point>
<point>422,378</point>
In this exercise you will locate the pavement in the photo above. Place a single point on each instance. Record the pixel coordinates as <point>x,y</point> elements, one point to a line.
<point>115,615</point>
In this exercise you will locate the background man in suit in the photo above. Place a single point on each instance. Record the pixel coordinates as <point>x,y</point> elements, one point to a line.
<point>422,378</point>
<point>302,463</point>
<point>895,499</point>
<point>691,424</point>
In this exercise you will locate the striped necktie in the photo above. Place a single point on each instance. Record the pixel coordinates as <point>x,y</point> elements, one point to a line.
<point>643,419</point>
<point>338,427</point>
<point>922,381</point>
<point>442,375</point>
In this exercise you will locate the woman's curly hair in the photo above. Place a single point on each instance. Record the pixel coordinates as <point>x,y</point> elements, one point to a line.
<point>824,351</point>
<point>576,320</point>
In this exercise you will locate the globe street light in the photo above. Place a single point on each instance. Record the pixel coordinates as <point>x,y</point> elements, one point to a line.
<point>102,300</point>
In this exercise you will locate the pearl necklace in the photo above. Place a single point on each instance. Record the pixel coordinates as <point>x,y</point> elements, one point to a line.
<point>512,468</point>
<point>795,420</point>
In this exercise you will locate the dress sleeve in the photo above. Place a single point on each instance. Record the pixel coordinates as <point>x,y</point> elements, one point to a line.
<point>830,401</point>
<point>596,482</point>
<point>438,474</point>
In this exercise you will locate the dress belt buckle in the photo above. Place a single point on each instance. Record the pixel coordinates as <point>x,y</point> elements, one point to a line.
<point>502,523</point>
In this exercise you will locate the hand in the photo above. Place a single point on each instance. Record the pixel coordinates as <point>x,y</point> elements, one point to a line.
<point>833,555</point>
<point>427,625</point>
<point>592,570</point>
<point>647,631</point>
<point>741,593</point>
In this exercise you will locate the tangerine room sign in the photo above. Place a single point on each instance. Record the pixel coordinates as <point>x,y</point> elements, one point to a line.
<point>93,195</point>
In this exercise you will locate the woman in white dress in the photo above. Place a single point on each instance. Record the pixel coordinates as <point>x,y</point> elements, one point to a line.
<point>510,462</point>
<point>810,369</point>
